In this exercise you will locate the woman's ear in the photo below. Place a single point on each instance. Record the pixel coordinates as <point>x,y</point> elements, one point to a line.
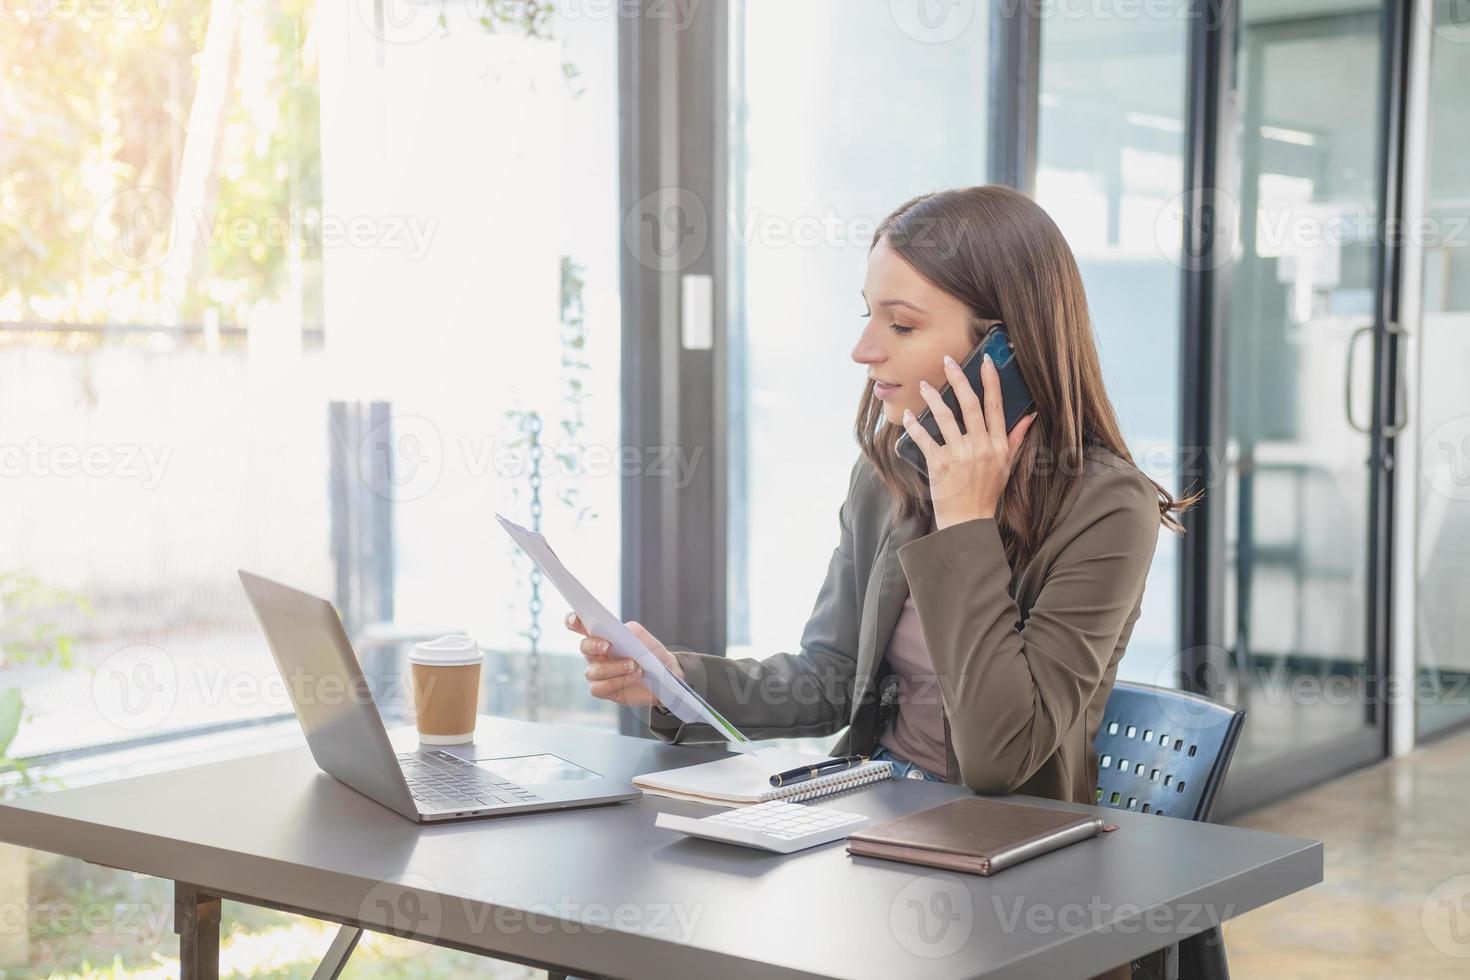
<point>979,327</point>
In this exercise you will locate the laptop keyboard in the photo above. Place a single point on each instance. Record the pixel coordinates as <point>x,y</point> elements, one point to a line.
<point>440,780</point>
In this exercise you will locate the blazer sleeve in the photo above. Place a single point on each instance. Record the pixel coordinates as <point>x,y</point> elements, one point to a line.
<point>786,695</point>
<point>1012,690</point>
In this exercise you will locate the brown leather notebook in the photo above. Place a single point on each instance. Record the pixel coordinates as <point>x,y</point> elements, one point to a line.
<point>975,835</point>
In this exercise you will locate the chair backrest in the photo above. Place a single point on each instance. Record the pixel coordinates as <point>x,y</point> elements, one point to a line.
<point>1164,751</point>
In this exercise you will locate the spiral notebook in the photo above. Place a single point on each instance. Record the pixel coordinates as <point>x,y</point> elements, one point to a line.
<point>746,778</point>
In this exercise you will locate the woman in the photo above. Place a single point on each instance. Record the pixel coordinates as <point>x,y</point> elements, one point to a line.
<point>970,626</point>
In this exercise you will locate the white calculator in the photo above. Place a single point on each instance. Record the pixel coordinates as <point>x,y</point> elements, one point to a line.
<point>772,826</point>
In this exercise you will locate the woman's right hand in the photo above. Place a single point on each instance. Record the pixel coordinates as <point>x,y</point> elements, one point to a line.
<point>620,679</point>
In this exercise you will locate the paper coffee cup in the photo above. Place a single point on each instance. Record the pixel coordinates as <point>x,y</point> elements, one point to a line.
<point>446,688</point>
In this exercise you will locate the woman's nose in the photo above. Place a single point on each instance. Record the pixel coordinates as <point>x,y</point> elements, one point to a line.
<point>866,352</point>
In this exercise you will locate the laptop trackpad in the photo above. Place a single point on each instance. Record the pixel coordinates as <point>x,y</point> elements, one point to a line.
<point>539,768</point>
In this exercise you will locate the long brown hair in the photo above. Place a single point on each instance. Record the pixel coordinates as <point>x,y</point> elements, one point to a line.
<point>999,253</point>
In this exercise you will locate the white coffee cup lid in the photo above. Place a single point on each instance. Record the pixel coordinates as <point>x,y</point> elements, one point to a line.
<point>447,651</point>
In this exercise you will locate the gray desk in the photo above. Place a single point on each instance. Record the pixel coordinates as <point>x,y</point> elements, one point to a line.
<point>601,891</point>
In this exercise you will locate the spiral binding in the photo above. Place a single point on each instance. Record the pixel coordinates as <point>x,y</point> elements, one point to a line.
<point>869,772</point>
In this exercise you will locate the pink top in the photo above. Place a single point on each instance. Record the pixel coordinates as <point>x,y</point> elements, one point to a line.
<point>917,731</point>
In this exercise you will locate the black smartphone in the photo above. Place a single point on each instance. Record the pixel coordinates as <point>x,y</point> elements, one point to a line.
<point>1015,396</point>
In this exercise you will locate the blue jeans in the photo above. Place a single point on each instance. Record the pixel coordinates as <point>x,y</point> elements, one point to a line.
<point>902,768</point>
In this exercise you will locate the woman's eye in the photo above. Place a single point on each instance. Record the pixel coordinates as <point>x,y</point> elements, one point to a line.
<point>902,331</point>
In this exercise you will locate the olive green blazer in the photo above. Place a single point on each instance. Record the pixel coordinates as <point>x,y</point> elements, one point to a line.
<point>1025,658</point>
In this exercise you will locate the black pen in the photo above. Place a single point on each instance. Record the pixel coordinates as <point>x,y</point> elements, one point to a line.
<point>820,769</point>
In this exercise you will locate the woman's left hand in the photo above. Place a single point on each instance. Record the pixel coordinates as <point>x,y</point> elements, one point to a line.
<point>968,473</point>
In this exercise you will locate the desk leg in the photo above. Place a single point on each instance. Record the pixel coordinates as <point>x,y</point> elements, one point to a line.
<point>196,920</point>
<point>342,946</point>
<point>1162,964</point>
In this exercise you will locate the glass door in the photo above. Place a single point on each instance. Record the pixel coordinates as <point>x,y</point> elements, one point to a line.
<point>1442,678</point>
<point>1303,477</point>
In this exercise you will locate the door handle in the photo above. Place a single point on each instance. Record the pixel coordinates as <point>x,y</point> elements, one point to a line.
<point>1347,385</point>
<point>1394,329</point>
<point>1400,337</point>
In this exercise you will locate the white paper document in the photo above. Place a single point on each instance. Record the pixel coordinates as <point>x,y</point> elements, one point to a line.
<point>685,702</point>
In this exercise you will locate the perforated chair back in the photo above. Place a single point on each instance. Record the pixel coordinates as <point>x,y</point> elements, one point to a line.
<point>1164,751</point>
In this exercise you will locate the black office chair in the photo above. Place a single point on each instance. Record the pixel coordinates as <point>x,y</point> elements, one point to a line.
<point>1166,752</point>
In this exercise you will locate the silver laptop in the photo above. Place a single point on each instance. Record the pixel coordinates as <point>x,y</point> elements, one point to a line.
<point>348,740</point>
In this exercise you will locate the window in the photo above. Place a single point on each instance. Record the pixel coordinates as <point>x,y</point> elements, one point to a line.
<point>314,294</point>
<point>1110,172</point>
<point>902,105</point>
